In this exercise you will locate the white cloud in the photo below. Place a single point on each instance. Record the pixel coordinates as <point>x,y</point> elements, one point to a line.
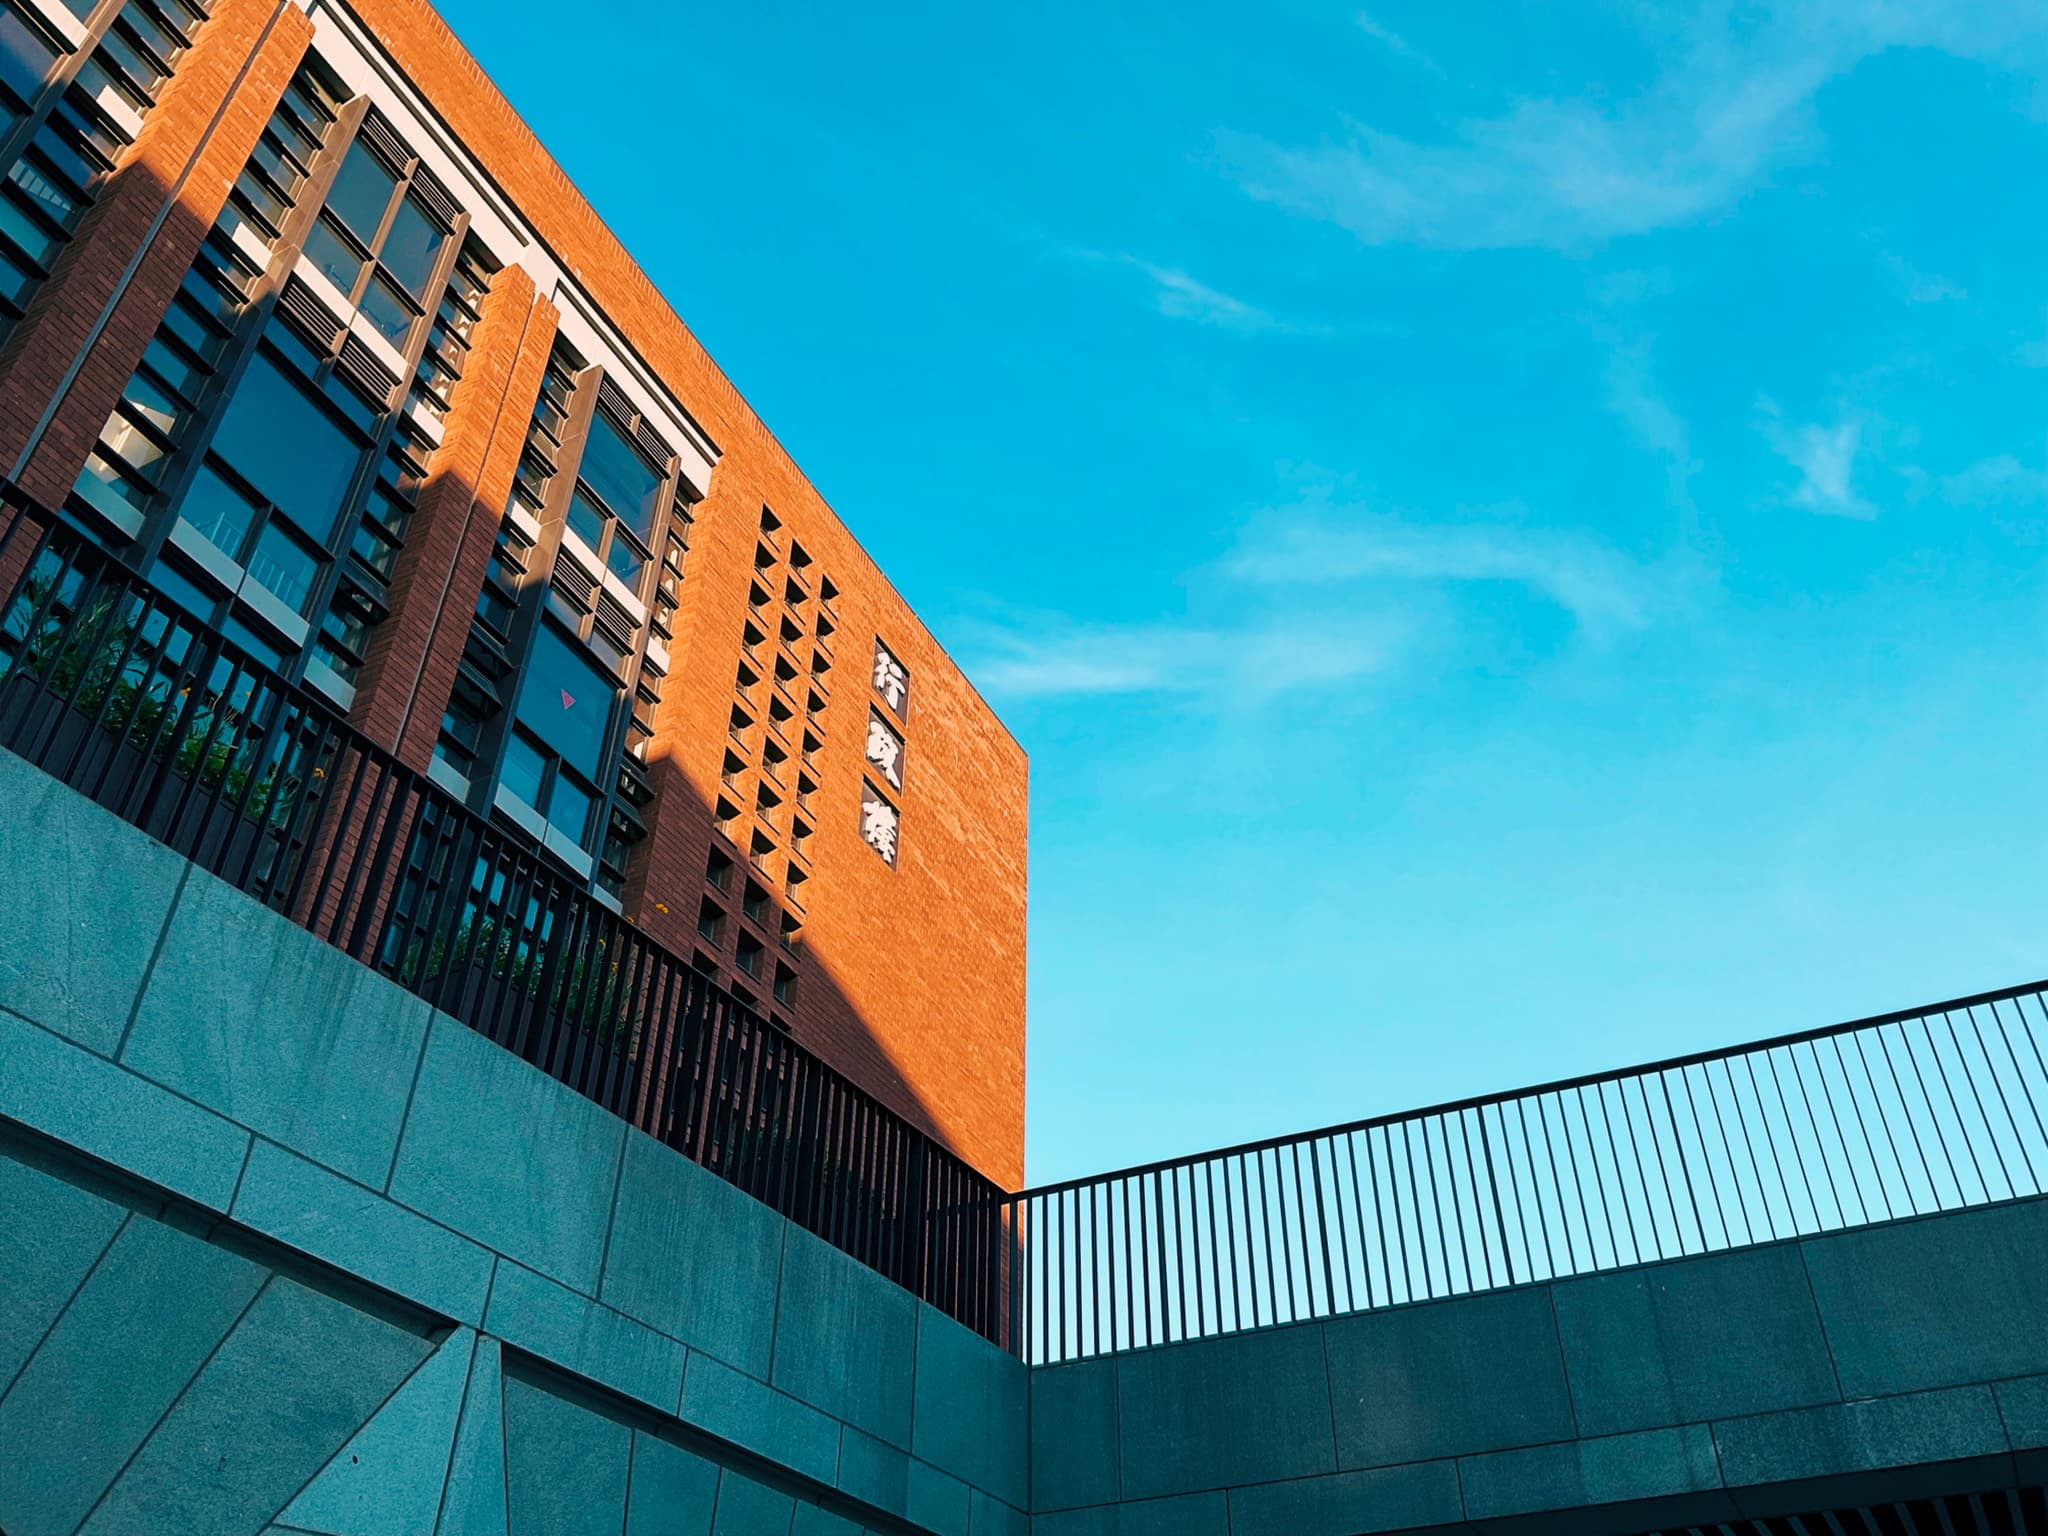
<point>1732,99</point>
<point>1924,287</point>
<point>1247,662</point>
<point>1826,460</point>
<point>1182,297</point>
<point>1316,595</point>
<point>1602,591</point>
<point>1397,45</point>
<point>1633,395</point>
<point>1999,481</point>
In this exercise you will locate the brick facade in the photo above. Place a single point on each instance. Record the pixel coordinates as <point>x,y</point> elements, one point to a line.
<point>910,978</point>
<point>193,142</point>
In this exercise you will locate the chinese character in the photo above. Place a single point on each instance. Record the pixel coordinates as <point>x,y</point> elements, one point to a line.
<point>892,682</point>
<point>878,823</point>
<point>885,750</point>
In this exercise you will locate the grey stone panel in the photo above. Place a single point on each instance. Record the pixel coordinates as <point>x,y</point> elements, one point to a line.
<point>992,1517</point>
<point>750,1414</point>
<point>387,1480</point>
<point>845,1338</point>
<point>1448,1378</point>
<point>813,1521</point>
<point>1196,1514</point>
<point>878,1474</point>
<point>748,1508</point>
<point>75,946</point>
<point>67,1093</point>
<point>2023,1407</point>
<point>972,1414</point>
<point>874,1472</point>
<point>1251,1408</point>
<point>252,1016</point>
<point>693,1256</point>
<point>1423,1494</point>
<point>134,1336</point>
<point>306,1207</point>
<point>1810,1444</point>
<point>673,1491</point>
<point>299,1374</point>
<point>565,1466</point>
<point>1073,1435</point>
<point>1660,1464</point>
<point>533,1313</point>
<point>51,1234</point>
<point>1935,1303</point>
<point>474,1501</point>
<point>1697,1339</point>
<point>500,1152</point>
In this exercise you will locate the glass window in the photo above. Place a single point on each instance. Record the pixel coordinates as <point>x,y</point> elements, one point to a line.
<point>566,700</point>
<point>615,470</point>
<point>291,450</point>
<point>625,561</point>
<point>585,520</point>
<point>384,309</point>
<point>25,55</point>
<point>569,807</point>
<point>219,511</point>
<point>334,256</point>
<point>362,191</point>
<point>284,565</point>
<point>524,769</point>
<point>412,248</point>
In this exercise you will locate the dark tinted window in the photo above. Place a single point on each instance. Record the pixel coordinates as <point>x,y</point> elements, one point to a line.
<point>614,469</point>
<point>288,448</point>
<point>566,700</point>
<point>411,248</point>
<point>25,55</point>
<point>362,191</point>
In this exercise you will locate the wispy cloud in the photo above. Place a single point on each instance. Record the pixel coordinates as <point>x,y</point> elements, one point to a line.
<point>1924,287</point>
<point>1249,662</point>
<point>1319,594</point>
<point>1397,45</point>
<point>1182,297</point>
<point>1826,460</point>
<point>1999,481</point>
<point>1601,590</point>
<point>1633,396</point>
<point>1731,100</point>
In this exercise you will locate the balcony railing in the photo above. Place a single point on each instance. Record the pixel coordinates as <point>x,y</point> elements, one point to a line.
<point>1872,1121</point>
<point>126,697</point>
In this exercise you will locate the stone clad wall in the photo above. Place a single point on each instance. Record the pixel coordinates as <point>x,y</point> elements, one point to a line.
<point>261,1209</point>
<point>283,1249</point>
<point>1890,1362</point>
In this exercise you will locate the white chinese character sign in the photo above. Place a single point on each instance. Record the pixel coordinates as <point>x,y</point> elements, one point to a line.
<point>885,750</point>
<point>878,822</point>
<point>892,681</point>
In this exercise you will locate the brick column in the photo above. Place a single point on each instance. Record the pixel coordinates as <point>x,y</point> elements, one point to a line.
<point>193,145</point>
<point>409,673</point>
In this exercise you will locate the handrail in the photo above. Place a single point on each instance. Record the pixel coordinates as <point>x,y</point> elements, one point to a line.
<point>129,699</point>
<point>122,694</point>
<point>1876,1119</point>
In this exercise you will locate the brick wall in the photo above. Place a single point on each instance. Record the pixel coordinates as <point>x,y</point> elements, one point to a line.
<point>912,978</point>
<point>194,142</point>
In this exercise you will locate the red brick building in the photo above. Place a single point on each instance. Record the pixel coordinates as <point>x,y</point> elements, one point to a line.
<point>300,318</point>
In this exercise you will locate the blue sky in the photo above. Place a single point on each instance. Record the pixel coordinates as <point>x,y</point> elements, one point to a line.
<point>1517,542</point>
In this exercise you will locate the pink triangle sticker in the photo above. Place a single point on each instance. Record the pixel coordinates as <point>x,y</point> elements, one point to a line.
<point>568,699</point>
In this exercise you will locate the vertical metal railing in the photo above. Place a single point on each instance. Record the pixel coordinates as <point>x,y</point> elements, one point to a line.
<point>1931,1110</point>
<point>123,695</point>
